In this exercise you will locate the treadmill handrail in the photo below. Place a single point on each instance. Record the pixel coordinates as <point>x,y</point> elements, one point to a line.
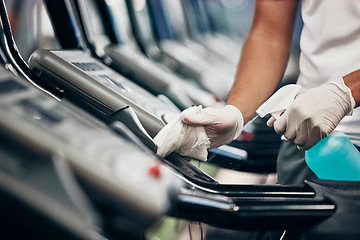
<point>11,52</point>
<point>107,22</point>
<point>66,30</point>
<point>146,44</point>
<point>251,215</point>
<point>161,26</point>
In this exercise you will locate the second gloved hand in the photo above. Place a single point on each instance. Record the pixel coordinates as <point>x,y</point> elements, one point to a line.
<point>222,125</point>
<point>315,113</point>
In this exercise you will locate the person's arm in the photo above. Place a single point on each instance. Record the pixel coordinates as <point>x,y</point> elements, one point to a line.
<point>265,55</point>
<point>352,81</point>
<point>262,64</point>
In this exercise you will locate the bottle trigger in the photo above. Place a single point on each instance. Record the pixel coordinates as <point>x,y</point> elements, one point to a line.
<point>279,101</point>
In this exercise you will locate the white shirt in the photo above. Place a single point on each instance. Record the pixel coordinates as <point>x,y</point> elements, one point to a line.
<point>330,49</point>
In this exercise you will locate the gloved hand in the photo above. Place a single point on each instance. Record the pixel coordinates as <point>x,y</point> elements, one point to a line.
<point>315,113</point>
<point>222,125</point>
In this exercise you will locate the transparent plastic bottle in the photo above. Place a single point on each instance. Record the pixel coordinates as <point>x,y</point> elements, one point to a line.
<point>334,158</point>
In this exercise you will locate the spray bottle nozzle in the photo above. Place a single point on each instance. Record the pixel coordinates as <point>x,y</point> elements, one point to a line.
<point>279,101</point>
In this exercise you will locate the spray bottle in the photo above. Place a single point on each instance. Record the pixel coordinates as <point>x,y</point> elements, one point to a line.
<point>334,157</point>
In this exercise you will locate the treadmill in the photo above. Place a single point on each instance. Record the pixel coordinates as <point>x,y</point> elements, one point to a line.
<point>178,22</point>
<point>111,36</point>
<point>124,184</point>
<point>112,173</point>
<point>199,30</point>
<point>218,23</point>
<point>176,55</point>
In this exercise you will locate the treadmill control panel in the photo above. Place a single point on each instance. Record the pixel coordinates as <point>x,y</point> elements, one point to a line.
<point>117,83</point>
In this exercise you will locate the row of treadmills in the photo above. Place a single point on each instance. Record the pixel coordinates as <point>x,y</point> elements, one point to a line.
<point>77,160</point>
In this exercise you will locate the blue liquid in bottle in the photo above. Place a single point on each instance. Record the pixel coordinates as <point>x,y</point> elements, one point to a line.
<point>334,158</point>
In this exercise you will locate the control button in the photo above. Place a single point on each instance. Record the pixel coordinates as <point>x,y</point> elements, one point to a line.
<point>155,171</point>
<point>218,99</point>
<point>247,136</point>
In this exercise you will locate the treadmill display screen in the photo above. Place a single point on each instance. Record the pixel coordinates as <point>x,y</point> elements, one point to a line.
<point>88,66</point>
<point>122,87</point>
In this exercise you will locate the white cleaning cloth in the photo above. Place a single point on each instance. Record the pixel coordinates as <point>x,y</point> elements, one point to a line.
<point>191,141</point>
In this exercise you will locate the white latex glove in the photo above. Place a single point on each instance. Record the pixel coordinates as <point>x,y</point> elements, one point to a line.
<point>222,125</point>
<point>315,113</point>
<point>182,138</point>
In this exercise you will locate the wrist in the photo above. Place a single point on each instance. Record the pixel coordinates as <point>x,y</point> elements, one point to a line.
<point>352,81</point>
<point>238,117</point>
<point>339,87</point>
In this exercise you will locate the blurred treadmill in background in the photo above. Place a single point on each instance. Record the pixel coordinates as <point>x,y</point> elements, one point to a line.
<point>167,49</point>
<point>197,20</point>
<point>30,26</point>
<point>179,23</point>
<point>219,26</point>
<point>237,17</point>
<point>29,40</point>
<point>108,29</point>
